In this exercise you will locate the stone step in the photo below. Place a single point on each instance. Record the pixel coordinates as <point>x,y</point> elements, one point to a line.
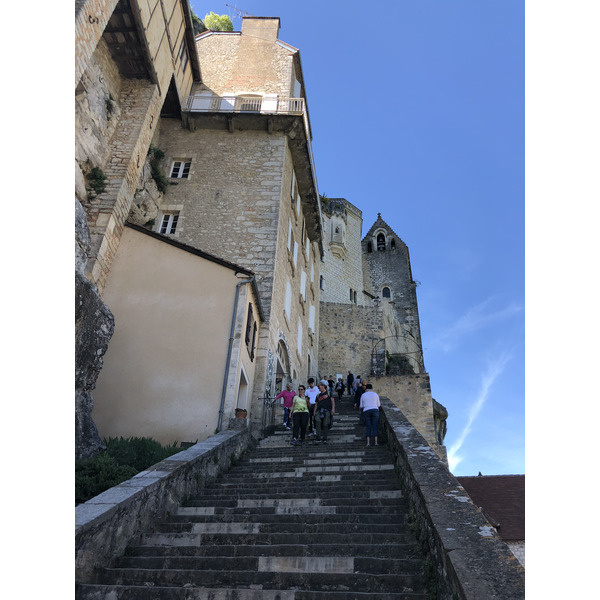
<point>263,538</point>
<point>345,482</point>
<point>310,515</point>
<point>364,498</point>
<point>276,563</point>
<point>332,484</point>
<point>276,574</point>
<point>142,592</point>
<point>319,549</point>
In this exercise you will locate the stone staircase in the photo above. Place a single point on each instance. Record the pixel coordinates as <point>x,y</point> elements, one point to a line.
<point>310,522</point>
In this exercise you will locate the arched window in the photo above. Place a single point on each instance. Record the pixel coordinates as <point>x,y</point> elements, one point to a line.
<point>369,247</point>
<point>386,292</point>
<point>381,243</point>
<point>393,244</point>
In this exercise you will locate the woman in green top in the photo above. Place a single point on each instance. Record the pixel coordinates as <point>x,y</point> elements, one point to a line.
<point>299,415</point>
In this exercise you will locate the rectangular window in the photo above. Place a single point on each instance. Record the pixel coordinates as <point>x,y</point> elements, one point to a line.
<point>311,318</point>
<point>303,285</point>
<point>183,55</point>
<point>168,224</point>
<point>181,169</point>
<point>293,188</point>
<point>253,347</point>
<point>295,254</point>
<point>288,299</point>
<point>249,323</point>
<point>289,246</point>
<point>312,273</point>
<point>299,337</point>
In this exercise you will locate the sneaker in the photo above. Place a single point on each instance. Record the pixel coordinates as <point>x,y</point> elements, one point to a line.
<point>294,442</point>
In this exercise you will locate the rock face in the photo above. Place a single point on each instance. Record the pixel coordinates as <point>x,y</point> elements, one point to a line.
<point>440,414</point>
<point>144,209</point>
<point>94,326</point>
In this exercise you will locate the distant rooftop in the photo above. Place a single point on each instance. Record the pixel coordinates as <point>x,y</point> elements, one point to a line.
<point>502,500</point>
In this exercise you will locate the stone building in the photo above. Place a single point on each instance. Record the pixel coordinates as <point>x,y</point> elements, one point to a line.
<point>249,193</point>
<point>369,319</point>
<point>225,168</point>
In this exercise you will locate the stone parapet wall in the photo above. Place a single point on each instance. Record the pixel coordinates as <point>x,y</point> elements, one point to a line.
<point>347,335</point>
<point>106,524</point>
<point>412,395</point>
<point>518,549</point>
<point>468,559</point>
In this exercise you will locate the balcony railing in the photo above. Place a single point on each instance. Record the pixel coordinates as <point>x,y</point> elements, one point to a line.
<point>244,104</point>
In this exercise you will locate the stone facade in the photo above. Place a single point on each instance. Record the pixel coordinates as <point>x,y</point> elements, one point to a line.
<point>342,271</point>
<point>248,194</point>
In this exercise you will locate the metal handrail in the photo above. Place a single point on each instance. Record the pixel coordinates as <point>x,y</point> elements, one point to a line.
<point>244,104</point>
<point>267,425</point>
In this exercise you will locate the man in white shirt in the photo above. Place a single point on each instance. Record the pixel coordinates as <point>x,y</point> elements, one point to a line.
<point>370,403</point>
<point>311,392</point>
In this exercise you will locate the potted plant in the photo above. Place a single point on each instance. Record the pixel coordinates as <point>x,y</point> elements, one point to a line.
<point>241,413</point>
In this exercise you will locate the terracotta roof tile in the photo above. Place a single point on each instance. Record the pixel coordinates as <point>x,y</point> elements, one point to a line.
<point>502,500</point>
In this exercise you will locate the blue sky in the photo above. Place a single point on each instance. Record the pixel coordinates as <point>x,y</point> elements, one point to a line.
<point>417,110</point>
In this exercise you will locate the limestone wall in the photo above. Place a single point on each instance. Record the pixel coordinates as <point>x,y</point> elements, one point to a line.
<point>246,63</point>
<point>412,395</point>
<point>347,336</point>
<point>237,204</point>
<point>342,263</point>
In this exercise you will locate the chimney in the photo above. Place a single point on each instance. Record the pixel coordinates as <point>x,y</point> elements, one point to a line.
<point>266,28</point>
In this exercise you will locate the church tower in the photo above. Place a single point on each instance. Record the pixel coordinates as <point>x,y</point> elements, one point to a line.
<point>389,276</point>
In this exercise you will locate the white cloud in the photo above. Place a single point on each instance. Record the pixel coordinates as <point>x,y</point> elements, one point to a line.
<point>487,380</point>
<point>476,318</point>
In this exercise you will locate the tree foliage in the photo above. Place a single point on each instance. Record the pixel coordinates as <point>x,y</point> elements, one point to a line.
<point>218,22</point>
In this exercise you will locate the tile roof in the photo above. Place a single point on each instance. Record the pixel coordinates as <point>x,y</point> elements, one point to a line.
<point>502,500</point>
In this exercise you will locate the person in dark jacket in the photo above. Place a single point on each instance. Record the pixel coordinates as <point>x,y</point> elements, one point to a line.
<point>360,390</point>
<point>324,410</point>
<point>350,382</point>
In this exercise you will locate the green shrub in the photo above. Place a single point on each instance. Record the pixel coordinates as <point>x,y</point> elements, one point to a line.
<point>138,452</point>
<point>96,181</point>
<point>156,155</point>
<point>122,459</point>
<point>99,473</point>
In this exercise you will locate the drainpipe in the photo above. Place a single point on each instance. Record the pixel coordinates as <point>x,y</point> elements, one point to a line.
<point>226,376</point>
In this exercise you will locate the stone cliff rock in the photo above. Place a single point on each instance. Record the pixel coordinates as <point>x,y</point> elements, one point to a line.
<point>94,326</point>
<point>440,414</point>
<point>144,208</point>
